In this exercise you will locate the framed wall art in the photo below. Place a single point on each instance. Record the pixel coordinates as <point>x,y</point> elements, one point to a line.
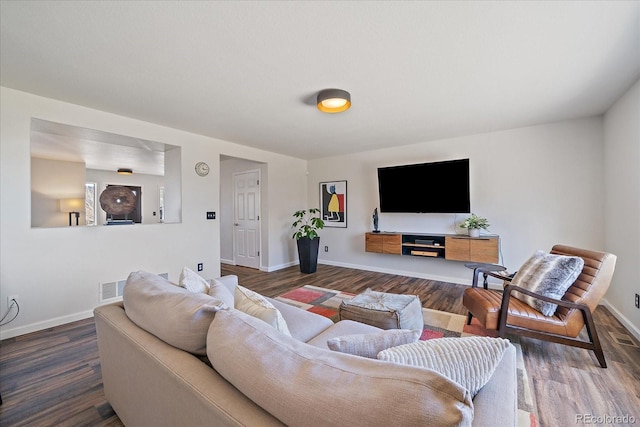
<point>333,203</point>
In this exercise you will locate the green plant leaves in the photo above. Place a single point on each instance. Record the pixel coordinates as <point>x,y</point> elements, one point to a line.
<point>308,223</point>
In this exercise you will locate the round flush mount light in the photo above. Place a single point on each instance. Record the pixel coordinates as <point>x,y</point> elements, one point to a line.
<point>125,171</point>
<point>333,100</point>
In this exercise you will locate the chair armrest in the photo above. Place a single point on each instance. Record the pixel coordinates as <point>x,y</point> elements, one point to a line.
<point>478,271</point>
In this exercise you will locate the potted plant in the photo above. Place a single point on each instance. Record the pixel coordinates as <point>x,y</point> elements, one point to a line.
<point>307,224</point>
<point>474,224</point>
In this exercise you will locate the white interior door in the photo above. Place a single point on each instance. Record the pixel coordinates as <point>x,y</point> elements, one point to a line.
<point>246,224</point>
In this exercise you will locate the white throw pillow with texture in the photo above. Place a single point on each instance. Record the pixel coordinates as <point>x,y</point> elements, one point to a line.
<point>218,290</point>
<point>192,281</point>
<point>254,304</point>
<point>469,361</point>
<point>369,345</point>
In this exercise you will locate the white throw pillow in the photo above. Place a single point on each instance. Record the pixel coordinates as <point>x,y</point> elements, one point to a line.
<point>192,281</point>
<point>469,361</point>
<point>549,275</point>
<point>173,314</point>
<point>369,345</point>
<point>254,304</point>
<point>218,290</point>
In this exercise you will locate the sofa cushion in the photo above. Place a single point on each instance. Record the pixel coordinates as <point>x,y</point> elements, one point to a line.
<point>256,305</point>
<point>192,281</point>
<point>469,361</point>
<point>549,275</point>
<point>303,325</point>
<point>369,345</point>
<point>304,385</point>
<point>175,315</point>
<point>219,290</point>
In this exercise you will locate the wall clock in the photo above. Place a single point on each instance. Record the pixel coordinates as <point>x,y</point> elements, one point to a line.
<point>202,168</point>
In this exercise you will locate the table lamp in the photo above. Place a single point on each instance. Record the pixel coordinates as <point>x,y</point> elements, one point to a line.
<point>72,206</point>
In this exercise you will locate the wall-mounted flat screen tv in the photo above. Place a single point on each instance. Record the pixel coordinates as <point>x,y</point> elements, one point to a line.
<point>437,187</point>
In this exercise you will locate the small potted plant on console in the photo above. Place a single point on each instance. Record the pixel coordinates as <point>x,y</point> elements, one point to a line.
<point>474,224</point>
<point>307,224</point>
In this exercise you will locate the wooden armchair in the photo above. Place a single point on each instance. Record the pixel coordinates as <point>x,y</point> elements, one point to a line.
<point>504,312</point>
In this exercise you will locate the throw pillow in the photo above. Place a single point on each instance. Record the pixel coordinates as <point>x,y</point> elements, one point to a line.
<point>192,281</point>
<point>218,290</point>
<point>230,281</point>
<point>173,314</point>
<point>369,345</point>
<point>254,304</point>
<point>469,361</point>
<point>549,275</point>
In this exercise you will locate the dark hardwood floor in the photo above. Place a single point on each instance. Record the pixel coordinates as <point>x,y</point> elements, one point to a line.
<point>52,377</point>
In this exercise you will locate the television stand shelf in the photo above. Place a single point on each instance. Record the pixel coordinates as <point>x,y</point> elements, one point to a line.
<point>452,247</point>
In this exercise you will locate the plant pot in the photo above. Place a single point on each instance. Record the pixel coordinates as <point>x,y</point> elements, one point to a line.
<point>474,232</point>
<point>308,254</point>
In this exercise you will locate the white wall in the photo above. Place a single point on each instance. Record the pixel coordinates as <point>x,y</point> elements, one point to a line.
<point>538,186</point>
<point>52,180</point>
<point>622,201</point>
<point>56,271</point>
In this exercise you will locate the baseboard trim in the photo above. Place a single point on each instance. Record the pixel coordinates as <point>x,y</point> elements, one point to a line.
<point>227,261</point>
<point>279,267</point>
<point>622,319</point>
<point>38,326</point>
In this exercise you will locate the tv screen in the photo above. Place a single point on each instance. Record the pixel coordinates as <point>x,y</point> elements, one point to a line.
<point>438,187</point>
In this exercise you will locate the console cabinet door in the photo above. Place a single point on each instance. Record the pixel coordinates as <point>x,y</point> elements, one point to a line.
<point>383,243</point>
<point>456,248</point>
<point>484,250</point>
<point>373,243</point>
<point>392,244</point>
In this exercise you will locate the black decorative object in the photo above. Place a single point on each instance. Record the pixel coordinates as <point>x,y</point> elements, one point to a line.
<point>308,254</point>
<point>307,224</point>
<point>375,221</point>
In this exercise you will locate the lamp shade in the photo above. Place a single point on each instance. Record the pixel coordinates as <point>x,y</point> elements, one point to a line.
<point>71,205</point>
<point>333,100</point>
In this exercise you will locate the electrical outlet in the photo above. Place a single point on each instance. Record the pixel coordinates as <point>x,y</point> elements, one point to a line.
<point>200,267</point>
<point>637,300</point>
<point>11,298</point>
<point>326,248</point>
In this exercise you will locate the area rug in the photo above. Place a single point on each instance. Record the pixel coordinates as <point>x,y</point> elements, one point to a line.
<point>437,324</point>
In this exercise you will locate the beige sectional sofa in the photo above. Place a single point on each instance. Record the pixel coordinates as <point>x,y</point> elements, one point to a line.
<point>253,375</point>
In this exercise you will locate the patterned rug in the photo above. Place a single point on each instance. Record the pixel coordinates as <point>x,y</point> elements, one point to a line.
<point>437,324</point>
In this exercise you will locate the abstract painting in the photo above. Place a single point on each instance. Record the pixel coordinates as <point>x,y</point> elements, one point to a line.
<point>333,203</point>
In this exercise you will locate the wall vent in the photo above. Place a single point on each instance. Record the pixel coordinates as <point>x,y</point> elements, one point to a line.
<point>108,291</point>
<point>111,290</point>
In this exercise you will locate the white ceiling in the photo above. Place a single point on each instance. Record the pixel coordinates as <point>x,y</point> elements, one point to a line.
<point>248,71</point>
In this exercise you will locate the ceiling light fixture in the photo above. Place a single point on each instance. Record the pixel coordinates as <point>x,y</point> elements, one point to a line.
<point>125,171</point>
<point>333,100</point>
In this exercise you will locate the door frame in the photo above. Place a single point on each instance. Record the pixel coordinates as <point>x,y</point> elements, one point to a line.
<point>259,209</point>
